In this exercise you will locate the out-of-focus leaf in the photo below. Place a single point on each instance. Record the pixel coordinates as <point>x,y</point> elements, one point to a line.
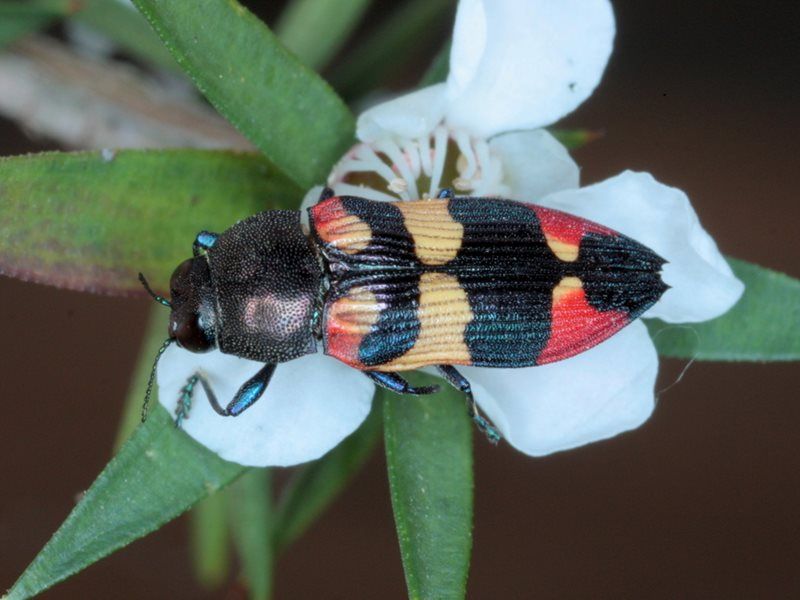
<point>209,540</point>
<point>392,44</point>
<point>158,474</point>
<point>763,326</point>
<point>439,67</point>
<point>20,17</point>
<point>252,522</point>
<point>576,138</point>
<point>282,106</point>
<point>93,220</point>
<point>315,485</point>
<point>315,29</point>
<point>125,26</point>
<point>429,456</point>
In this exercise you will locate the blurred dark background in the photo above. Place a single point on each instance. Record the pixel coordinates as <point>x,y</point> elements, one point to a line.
<point>700,502</point>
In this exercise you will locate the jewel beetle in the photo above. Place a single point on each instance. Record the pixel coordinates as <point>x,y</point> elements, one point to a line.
<point>387,287</point>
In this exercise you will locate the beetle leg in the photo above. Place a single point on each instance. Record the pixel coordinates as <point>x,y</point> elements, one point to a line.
<point>247,395</point>
<point>395,383</point>
<point>251,391</point>
<point>457,380</point>
<point>446,193</point>
<point>185,400</point>
<point>204,241</point>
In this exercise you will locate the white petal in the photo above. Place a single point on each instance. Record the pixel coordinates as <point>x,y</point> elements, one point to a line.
<point>590,397</point>
<point>311,404</point>
<point>534,164</point>
<point>525,64</point>
<point>409,116</point>
<point>661,217</point>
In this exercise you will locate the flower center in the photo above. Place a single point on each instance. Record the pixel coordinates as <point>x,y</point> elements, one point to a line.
<point>419,168</point>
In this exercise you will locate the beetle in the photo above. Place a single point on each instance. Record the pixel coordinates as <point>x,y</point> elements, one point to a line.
<point>388,287</point>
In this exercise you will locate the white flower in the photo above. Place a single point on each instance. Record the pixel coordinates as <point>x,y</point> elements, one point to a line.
<point>515,66</point>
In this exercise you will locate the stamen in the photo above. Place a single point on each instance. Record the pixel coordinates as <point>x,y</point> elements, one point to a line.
<point>367,154</point>
<point>411,151</point>
<point>485,170</point>
<point>348,189</point>
<point>398,186</point>
<point>399,162</point>
<point>424,146</point>
<point>403,162</point>
<point>465,147</point>
<point>482,151</point>
<point>439,154</point>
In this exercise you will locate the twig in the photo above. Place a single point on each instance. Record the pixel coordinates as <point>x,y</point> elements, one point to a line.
<point>84,102</point>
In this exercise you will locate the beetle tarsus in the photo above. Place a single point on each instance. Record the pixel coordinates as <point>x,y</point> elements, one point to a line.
<point>458,381</point>
<point>396,383</point>
<point>247,395</point>
<point>185,400</point>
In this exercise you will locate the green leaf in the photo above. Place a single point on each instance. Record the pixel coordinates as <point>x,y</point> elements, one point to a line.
<point>315,485</point>
<point>252,522</point>
<point>576,138</point>
<point>158,474</point>
<point>281,105</point>
<point>439,67</point>
<point>429,456</point>
<point>392,44</point>
<point>209,540</point>
<point>89,222</point>
<point>18,18</point>
<point>126,27</point>
<point>315,29</point>
<point>764,324</point>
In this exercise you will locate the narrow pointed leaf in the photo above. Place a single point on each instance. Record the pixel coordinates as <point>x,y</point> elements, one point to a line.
<point>278,103</point>
<point>158,474</point>
<point>252,523</point>
<point>763,326</point>
<point>315,29</point>
<point>429,457</point>
<point>125,26</point>
<point>92,220</point>
<point>209,540</point>
<point>315,485</point>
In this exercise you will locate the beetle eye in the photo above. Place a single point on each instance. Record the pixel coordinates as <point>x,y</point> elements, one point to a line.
<point>187,332</point>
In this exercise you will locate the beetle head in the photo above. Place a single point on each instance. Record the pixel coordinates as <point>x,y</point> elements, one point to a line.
<point>191,322</point>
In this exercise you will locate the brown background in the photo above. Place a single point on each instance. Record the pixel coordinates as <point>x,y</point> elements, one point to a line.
<point>701,502</point>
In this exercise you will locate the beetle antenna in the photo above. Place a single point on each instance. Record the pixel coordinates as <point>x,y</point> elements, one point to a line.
<point>149,390</point>
<point>156,297</point>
